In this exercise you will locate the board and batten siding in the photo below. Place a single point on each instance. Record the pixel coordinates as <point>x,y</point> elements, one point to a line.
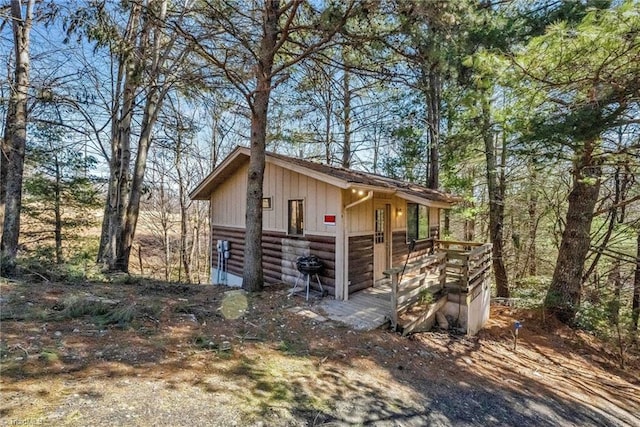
<point>279,253</point>
<point>319,198</point>
<point>359,217</point>
<point>228,207</point>
<point>228,201</point>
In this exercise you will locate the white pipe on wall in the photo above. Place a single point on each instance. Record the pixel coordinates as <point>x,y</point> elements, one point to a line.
<point>369,196</point>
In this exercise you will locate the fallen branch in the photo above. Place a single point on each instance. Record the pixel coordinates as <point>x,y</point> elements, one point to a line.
<point>19,347</point>
<point>247,338</point>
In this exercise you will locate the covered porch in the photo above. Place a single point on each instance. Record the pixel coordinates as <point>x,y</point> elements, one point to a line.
<point>452,283</point>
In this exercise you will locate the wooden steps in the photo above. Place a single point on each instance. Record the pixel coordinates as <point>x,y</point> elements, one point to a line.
<point>364,310</point>
<point>420,318</point>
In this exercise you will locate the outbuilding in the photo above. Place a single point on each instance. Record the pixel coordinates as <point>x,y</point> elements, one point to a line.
<point>358,224</point>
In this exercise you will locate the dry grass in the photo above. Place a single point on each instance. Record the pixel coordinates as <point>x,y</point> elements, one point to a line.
<point>160,354</point>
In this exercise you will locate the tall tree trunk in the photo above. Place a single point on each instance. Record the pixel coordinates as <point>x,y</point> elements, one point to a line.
<point>164,223</point>
<point>433,119</point>
<point>167,253</point>
<point>5,151</point>
<point>532,210</point>
<point>327,130</point>
<point>495,186</point>
<point>612,219</point>
<point>184,218</point>
<point>469,232</point>
<point>119,179</point>
<point>253,278</point>
<point>346,118</point>
<point>193,255</point>
<point>214,144</point>
<point>184,252</point>
<point>563,295</point>
<point>149,45</point>
<point>125,240</point>
<point>635,304</point>
<point>446,231</point>
<point>119,164</point>
<point>18,134</point>
<point>58,213</point>
<point>615,281</point>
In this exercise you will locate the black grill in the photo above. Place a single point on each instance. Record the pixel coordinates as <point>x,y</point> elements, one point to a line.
<point>309,264</point>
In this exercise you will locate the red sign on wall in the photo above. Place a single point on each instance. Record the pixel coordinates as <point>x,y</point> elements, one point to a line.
<point>329,220</point>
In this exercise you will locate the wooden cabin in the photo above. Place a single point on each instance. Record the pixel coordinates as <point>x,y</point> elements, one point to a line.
<point>359,224</point>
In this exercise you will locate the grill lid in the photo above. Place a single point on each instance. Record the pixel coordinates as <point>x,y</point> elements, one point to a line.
<point>309,264</point>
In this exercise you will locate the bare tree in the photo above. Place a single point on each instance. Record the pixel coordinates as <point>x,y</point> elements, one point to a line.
<point>346,110</point>
<point>16,132</point>
<point>149,62</point>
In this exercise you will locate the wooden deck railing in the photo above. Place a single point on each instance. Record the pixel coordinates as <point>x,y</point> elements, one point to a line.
<point>457,267</point>
<point>409,284</point>
<point>466,263</point>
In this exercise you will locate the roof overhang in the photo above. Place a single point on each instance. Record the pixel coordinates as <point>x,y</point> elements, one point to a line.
<point>340,183</point>
<point>232,163</point>
<point>424,201</point>
<point>240,156</point>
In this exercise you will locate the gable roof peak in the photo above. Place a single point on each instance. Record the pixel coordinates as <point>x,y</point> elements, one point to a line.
<point>335,175</point>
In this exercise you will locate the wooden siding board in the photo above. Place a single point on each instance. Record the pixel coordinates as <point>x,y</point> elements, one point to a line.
<point>360,217</point>
<point>280,205</point>
<point>279,254</point>
<point>236,239</point>
<point>400,248</point>
<point>281,185</point>
<point>360,262</point>
<point>311,209</point>
<point>228,208</point>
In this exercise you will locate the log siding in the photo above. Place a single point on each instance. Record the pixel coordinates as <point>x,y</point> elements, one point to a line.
<point>360,262</point>
<point>400,248</point>
<point>279,253</point>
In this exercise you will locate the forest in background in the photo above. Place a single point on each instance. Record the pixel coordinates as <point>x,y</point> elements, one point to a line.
<point>113,111</point>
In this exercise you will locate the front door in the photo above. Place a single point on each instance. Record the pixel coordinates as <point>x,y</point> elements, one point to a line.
<point>381,240</point>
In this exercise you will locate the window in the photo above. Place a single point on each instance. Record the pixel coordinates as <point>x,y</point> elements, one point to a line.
<point>296,217</point>
<point>379,231</point>
<point>417,222</point>
<point>266,203</point>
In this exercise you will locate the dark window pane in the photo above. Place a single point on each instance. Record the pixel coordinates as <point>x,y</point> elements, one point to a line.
<point>423,222</point>
<point>379,226</point>
<point>417,222</point>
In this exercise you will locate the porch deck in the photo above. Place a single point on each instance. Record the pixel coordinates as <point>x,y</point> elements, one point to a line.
<point>450,280</point>
<point>364,310</point>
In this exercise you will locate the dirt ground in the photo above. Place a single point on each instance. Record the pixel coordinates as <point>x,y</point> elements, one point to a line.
<point>149,353</point>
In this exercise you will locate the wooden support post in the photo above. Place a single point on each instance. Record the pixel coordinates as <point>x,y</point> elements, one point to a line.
<point>465,273</point>
<point>442,269</point>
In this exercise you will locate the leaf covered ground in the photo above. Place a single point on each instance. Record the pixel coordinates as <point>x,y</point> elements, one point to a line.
<point>150,353</point>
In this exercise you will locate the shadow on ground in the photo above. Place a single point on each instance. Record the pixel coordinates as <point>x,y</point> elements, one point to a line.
<point>174,359</point>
